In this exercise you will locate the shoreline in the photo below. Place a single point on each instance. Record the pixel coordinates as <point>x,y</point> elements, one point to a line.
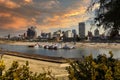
<point>56,69</point>
<point>36,57</point>
<point>78,44</point>
<point>38,63</point>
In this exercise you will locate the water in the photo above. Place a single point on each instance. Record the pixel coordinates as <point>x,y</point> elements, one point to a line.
<point>74,53</point>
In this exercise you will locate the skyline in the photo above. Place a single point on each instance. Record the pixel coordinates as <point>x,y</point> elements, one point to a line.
<point>47,15</point>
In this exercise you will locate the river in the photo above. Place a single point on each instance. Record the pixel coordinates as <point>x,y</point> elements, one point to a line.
<point>74,53</point>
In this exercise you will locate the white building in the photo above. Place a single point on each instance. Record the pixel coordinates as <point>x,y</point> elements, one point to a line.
<point>107,32</point>
<point>82,30</point>
<point>68,34</point>
<point>58,34</point>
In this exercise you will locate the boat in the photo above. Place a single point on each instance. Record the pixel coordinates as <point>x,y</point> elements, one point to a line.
<point>30,45</point>
<point>59,46</point>
<point>52,47</point>
<point>68,47</point>
<point>34,46</point>
<point>46,46</point>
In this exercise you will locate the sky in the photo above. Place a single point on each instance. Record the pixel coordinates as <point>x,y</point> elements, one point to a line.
<point>47,15</point>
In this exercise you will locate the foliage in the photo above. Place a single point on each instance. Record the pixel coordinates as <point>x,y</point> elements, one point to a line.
<point>17,72</point>
<point>100,68</point>
<point>108,14</point>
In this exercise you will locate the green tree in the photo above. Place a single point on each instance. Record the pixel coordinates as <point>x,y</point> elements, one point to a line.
<point>108,14</point>
<point>100,68</point>
<point>22,72</point>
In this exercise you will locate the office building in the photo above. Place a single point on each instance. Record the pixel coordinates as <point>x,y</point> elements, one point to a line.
<point>31,33</point>
<point>74,32</point>
<point>69,34</point>
<point>82,30</point>
<point>96,32</point>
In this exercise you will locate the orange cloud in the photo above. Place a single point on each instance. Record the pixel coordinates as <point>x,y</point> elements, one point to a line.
<point>67,19</point>
<point>49,4</point>
<point>17,23</point>
<point>2,14</point>
<point>28,1</point>
<point>9,3</point>
<point>49,17</point>
<point>79,11</point>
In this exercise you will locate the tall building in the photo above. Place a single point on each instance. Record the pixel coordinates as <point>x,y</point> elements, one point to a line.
<point>107,32</point>
<point>82,30</point>
<point>74,32</point>
<point>90,35</point>
<point>68,34</point>
<point>31,33</point>
<point>58,34</point>
<point>96,32</point>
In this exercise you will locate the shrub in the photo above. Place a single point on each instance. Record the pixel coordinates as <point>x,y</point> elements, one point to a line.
<point>17,72</point>
<point>100,68</point>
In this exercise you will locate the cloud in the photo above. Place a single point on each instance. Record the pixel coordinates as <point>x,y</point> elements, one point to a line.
<point>44,14</point>
<point>49,4</point>
<point>28,1</point>
<point>11,22</point>
<point>5,14</point>
<point>67,17</point>
<point>9,4</point>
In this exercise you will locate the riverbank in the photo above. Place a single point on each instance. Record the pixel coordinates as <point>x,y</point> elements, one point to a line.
<point>78,44</point>
<point>57,69</point>
<point>99,45</point>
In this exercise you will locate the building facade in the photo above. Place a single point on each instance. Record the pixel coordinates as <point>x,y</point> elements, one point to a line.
<point>74,32</point>
<point>69,34</point>
<point>96,33</point>
<point>82,30</point>
<point>31,33</point>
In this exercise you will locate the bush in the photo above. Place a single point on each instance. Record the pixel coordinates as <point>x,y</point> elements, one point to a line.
<point>17,72</point>
<point>100,68</point>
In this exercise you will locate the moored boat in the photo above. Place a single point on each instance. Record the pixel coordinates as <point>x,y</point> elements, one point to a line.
<point>30,45</point>
<point>34,46</point>
<point>68,47</point>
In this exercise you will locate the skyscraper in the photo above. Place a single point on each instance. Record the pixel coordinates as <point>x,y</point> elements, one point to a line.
<point>31,33</point>
<point>82,30</point>
<point>96,32</point>
<point>74,32</point>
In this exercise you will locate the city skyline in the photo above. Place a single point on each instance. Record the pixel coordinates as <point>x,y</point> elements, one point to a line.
<point>48,15</point>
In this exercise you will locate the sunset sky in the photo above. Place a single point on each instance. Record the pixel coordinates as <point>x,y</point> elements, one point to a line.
<point>47,15</point>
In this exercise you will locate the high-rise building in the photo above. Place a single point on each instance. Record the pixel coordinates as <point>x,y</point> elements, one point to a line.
<point>90,35</point>
<point>82,30</point>
<point>96,32</point>
<point>74,32</point>
<point>31,33</point>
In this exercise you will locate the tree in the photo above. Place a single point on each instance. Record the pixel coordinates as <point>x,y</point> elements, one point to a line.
<point>108,14</point>
<point>17,72</point>
<point>100,68</point>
